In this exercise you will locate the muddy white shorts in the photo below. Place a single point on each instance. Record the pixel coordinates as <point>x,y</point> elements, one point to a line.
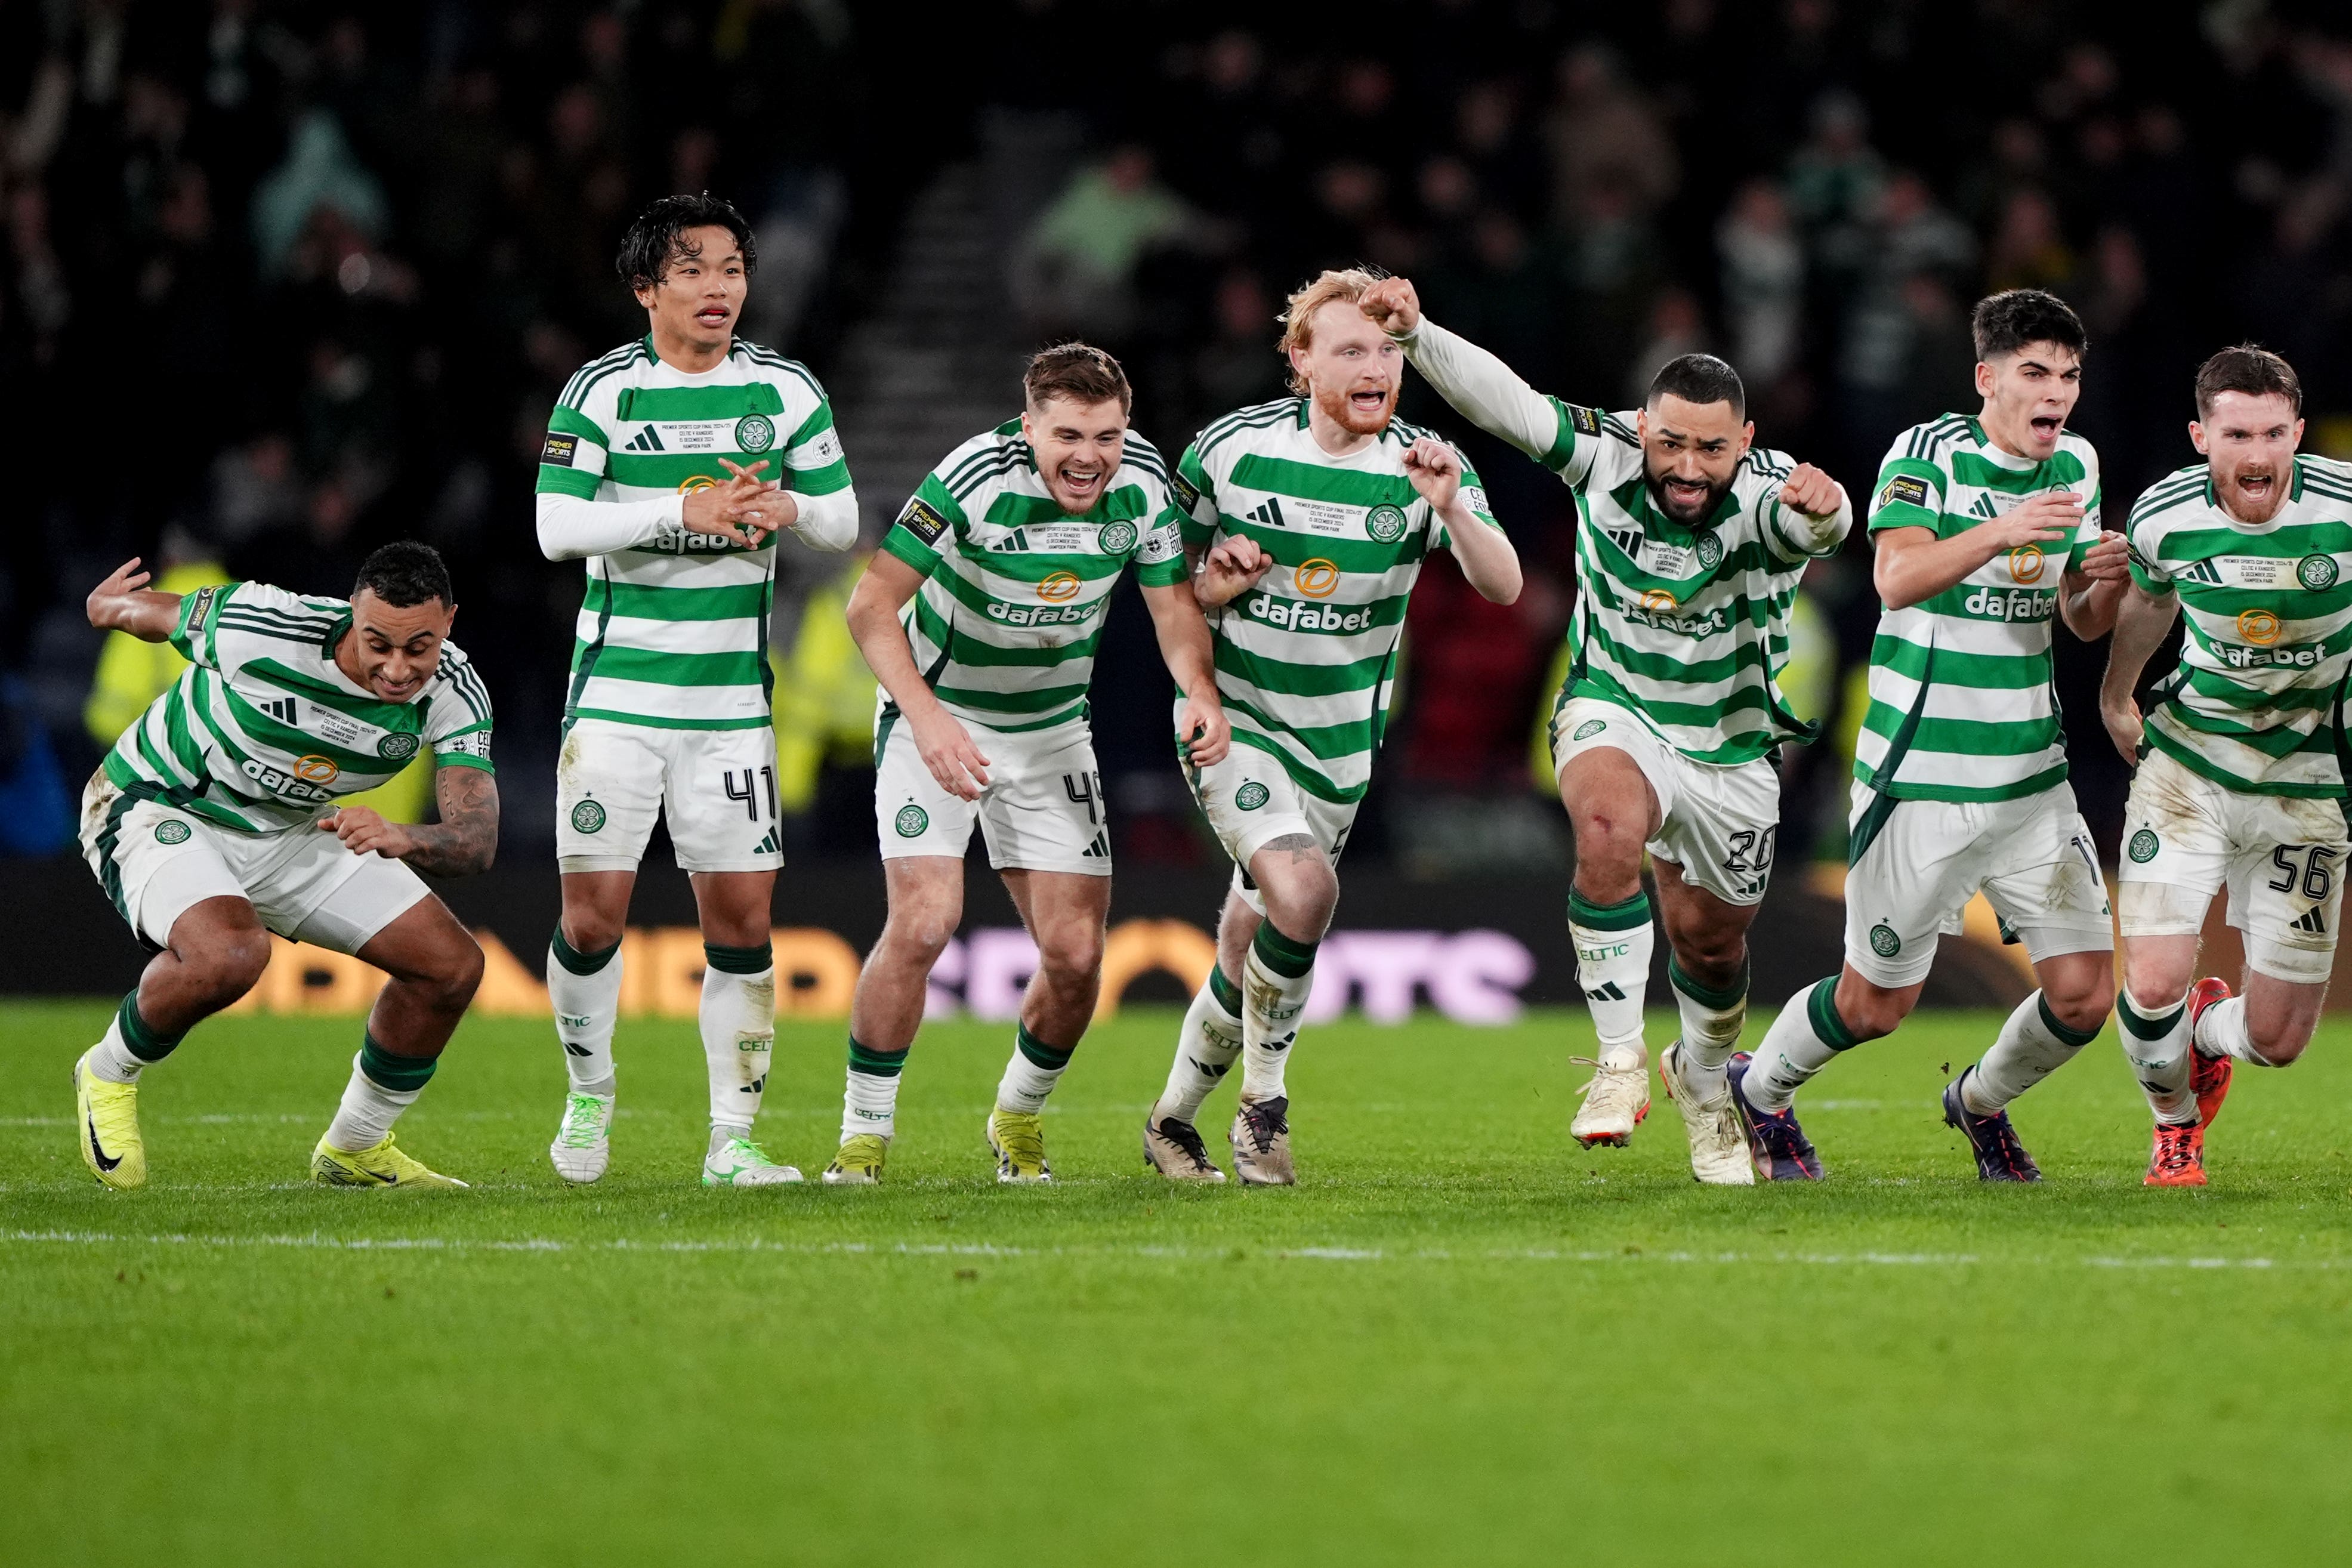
<point>1719,822</point>
<point>1041,811</point>
<point>2283,859</point>
<point>157,862</point>
<point>716,787</point>
<point>1251,800</point>
<point>1917,863</point>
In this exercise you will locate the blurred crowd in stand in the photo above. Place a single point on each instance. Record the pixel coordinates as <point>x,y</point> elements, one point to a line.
<point>315,272</point>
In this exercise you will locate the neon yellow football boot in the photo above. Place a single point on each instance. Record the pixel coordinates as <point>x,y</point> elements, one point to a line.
<point>858,1164</point>
<point>1017,1139</point>
<point>381,1166</point>
<point>111,1144</point>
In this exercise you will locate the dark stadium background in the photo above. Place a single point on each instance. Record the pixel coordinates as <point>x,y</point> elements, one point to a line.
<point>282,281</point>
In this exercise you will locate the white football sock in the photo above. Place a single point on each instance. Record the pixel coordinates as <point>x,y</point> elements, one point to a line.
<point>131,1044</point>
<point>1206,1046</point>
<point>369,1109</point>
<point>1613,944</point>
<point>1711,1024</point>
<point>2032,1044</point>
<point>1805,1037</point>
<point>1277,975</point>
<point>2221,1032</point>
<point>112,1060</point>
<point>585,988</point>
<point>1031,1075</point>
<point>870,1103</point>
<point>2157,1045</point>
<point>739,1031</point>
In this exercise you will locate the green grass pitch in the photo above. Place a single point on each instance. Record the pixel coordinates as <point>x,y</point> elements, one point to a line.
<point>1460,1339</point>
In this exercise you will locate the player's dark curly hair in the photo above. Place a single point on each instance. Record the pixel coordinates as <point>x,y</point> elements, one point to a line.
<point>2249,369</point>
<point>659,237</point>
<point>405,573</point>
<point>1700,379</point>
<point>2007,321</point>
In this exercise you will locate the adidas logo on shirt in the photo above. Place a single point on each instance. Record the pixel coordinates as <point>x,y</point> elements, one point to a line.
<point>2203,571</point>
<point>281,709</point>
<point>1270,513</point>
<point>646,440</point>
<point>1984,506</point>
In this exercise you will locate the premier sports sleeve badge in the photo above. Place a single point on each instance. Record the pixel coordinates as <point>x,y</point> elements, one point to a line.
<point>922,521</point>
<point>1909,488</point>
<point>559,448</point>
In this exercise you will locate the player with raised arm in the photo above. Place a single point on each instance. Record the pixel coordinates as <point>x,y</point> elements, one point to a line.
<point>979,617</point>
<point>1690,543</point>
<point>212,822</point>
<point>2241,767</point>
<point>1987,526</point>
<point>670,466</point>
<point>1308,518</point>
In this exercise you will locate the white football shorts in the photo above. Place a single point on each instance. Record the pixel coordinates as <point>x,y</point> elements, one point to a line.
<point>716,788</point>
<point>1719,822</point>
<point>2283,859</point>
<point>1920,862</point>
<point>157,862</point>
<point>1041,811</point>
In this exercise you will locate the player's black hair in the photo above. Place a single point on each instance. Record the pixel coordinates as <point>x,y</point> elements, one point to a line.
<point>657,237</point>
<point>2254,371</point>
<point>1701,379</point>
<point>403,574</point>
<point>2007,321</point>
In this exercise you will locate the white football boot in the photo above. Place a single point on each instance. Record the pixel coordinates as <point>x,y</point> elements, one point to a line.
<point>1615,1101</point>
<point>583,1144</point>
<point>739,1162</point>
<point>1719,1144</point>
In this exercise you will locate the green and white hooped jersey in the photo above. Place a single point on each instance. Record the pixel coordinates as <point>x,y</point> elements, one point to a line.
<point>675,635</point>
<point>2257,703</point>
<point>1304,659</point>
<point>1014,590</point>
<point>1685,628</point>
<point>1961,704</point>
<point>262,732</point>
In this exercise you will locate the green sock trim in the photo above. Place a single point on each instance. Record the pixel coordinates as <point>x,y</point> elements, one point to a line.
<point>1223,992</point>
<point>874,1063</point>
<point>580,963</point>
<point>400,1075</point>
<point>143,1042</point>
<point>1052,1059</point>
<point>1634,911</point>
<point>740,960</point>
<point>1722,1000</point>
<point>1278,953</point>
<point>2077,1038</point>
<point>2141,1026</point>
<point>1821,1009</point>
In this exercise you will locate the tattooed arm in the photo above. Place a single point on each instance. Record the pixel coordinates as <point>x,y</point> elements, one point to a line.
<point>463,842</point>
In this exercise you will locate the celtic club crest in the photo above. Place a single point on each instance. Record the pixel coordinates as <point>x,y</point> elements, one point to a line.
<point>588,817</point>
<point>911,821</point>
<point>1251,795</point>
<point>1118,538</point>
<point>754,432</point>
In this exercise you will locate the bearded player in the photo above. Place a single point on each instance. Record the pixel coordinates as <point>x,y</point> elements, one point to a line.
<point>2241,771</point>
<point>980,618</point>
<point>1309,518</point>
<point>1987,527</point>
<point>672,466</point>
<point>1689,548</point>
<point>213,822</point>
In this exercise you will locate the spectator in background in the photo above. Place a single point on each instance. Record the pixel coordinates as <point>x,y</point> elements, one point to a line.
<point>2028,251</point>
<point>1075,272</point>
<point>1238,366</point>
<point>1763,282</point>
<point>1607,141</point>
<point>1676,328</point>
<point>319,171</point>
